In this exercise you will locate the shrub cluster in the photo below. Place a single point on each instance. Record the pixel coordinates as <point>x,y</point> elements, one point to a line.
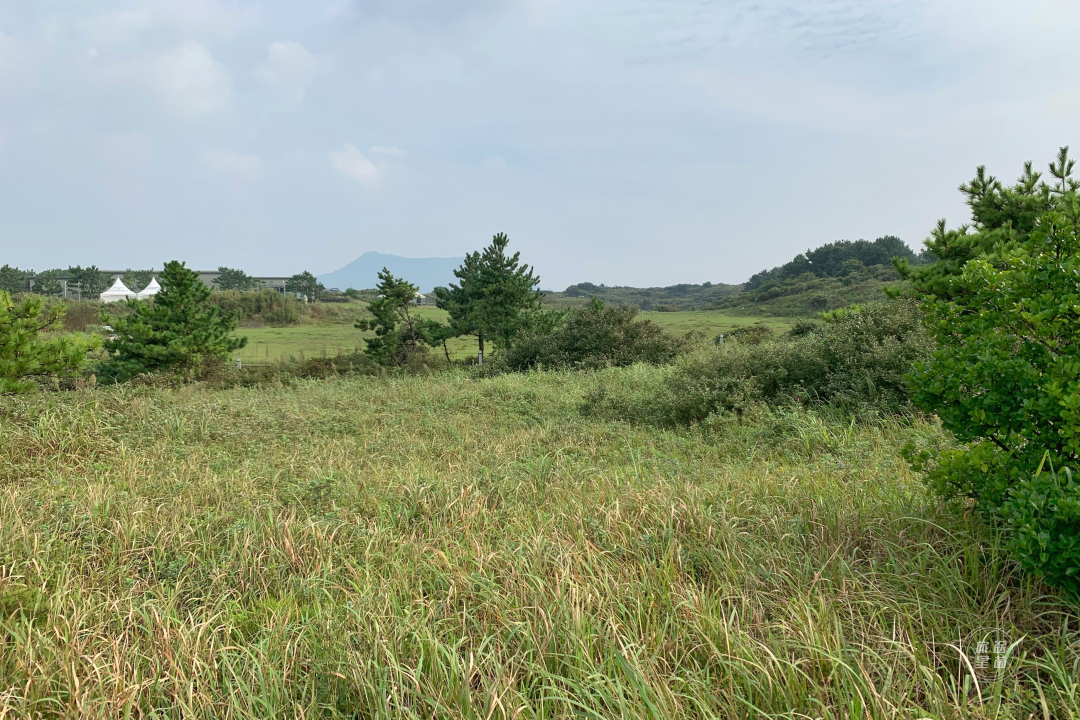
<point>1005,380</point>
<point>594,336</point>
<point>269,307</point>
<point>856,360</point>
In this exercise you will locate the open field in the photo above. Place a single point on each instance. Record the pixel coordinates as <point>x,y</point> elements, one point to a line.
<point>441,547</point>
<point>331,339</point>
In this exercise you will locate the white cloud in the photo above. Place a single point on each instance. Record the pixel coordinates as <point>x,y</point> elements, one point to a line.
<point>354,164</point>
<point>228,162</point>
<point>494,163</point>
<point>289,67</point>
<point>189,81</point>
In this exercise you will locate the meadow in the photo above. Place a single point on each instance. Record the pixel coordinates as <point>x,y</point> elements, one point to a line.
<point>266,344</point>
<point>446,547</point>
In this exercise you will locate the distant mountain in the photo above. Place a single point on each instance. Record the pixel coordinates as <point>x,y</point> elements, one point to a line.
<point>363,272</point>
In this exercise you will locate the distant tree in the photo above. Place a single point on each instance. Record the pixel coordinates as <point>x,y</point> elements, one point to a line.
<point>396,329</point>
<point>31,348</point>
<point>48,282</point>
<point>233,279</point>
<point>89,282</point>
<point>137,280</point>
<point>495,296</point>
<point>829,260</point>
<point>12,279</point>
<point>307,284</point>
<point>462,300</point>
<point>180,332</point>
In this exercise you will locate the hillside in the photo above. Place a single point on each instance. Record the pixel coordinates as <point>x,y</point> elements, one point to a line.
<point>828,277</point>
<point>361,273</point>
<point>674,297</point>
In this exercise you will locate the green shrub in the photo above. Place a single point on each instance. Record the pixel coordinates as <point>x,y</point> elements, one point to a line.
<point>267,307</point>
<point>30,351</point>
<point>1005,380</point>
<point>751,334</point>
<point>594,336</point>
<point>856,360</point>
<point>178,331</point>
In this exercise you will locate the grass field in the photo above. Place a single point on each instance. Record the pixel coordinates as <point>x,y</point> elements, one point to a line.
<point>441,547</point>
<point>265,344</point>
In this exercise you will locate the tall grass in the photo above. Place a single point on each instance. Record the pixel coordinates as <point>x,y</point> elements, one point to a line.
<point>443,547</point>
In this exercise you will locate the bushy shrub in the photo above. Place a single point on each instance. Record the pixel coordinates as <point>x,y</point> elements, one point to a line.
<point>267,307</point>
<point>594,336</point>
<point>751,334</point>
<point>31,352</point>
<point>177,332</point>
<point>1005,380</point>
<point>856,360</point>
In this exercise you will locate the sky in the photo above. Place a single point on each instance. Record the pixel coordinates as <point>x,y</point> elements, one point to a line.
<point>625,142</point>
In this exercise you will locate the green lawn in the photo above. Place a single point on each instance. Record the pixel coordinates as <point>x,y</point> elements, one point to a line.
<point>267,344</point>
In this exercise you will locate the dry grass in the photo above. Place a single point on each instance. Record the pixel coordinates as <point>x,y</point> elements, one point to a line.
<point>443,547</point>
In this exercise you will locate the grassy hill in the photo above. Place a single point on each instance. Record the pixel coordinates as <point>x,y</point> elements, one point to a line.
<point>674,297</point>
<point>440,546</point>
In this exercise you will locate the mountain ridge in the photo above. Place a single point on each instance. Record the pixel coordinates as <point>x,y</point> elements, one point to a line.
<point>362,273</point>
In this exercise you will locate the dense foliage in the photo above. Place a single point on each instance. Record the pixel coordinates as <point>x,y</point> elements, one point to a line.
<point>399,335</point>
<point>28,354</point>
<point>495,297</point>
<point>595,336</point>
<point>12,279</point>
<point>88,282</point>
<point>1005,378</point>
<point>47,282</point>
<point>235,279</point>
<point>856,360</point>
<point>179,331</point>
<point>836,259</point>
<point>306,284</point>
<point>267,307</point>
<point>674,297</point>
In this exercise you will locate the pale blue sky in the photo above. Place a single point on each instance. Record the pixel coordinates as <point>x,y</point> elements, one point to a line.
<point>641,142</point>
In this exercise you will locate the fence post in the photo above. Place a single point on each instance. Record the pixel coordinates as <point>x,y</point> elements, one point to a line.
<point>238,363</point>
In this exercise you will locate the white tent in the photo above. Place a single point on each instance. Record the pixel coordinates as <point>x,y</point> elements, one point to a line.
<point>152,289</point>
<point>118,291</point>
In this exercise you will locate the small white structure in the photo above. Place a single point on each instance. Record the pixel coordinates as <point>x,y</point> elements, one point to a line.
<point>118,291</point>
<point>420,299</point>
<point>152,289</point>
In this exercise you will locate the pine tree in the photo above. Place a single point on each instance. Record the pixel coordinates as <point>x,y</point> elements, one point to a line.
<point>509,292</point>
<point>397,332</point>
<point>47,282</point>
<point>12,279</point>
<point>495,297</point>
<point>307,284</point>
<point>178,331</point>
<point>88,282</point>
<point>1002,219</point>
<point>234,279</point>
<point>27,352</point>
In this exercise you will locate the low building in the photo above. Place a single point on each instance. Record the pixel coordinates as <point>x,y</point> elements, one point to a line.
<point>268,283</point>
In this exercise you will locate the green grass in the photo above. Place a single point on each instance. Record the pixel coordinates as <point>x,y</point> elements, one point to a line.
<point>266,344</point>
<point>451,548</point>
